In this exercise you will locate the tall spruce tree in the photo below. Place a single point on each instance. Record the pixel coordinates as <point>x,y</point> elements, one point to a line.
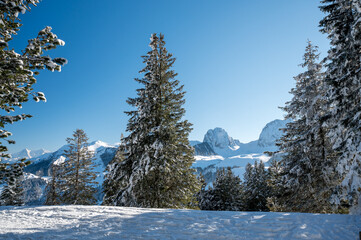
<point>255,188</point>
<point>79,186</point>
<point>156,170</point>
<point>17,73</point>
<point>342,24</point>
<point>307,177</point>
<point>225,195</point>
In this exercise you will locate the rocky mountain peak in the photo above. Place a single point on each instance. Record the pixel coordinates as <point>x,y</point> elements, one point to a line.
<point>219,138</point>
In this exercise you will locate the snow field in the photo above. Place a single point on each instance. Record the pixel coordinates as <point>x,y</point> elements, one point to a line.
<point>99,222</point>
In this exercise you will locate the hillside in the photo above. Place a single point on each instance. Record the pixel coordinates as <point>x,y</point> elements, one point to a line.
<point>98,222</point>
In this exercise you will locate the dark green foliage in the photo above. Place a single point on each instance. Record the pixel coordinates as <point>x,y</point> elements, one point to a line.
<point>225,195</point>
<point>79,186</point>
<point>255,188</point>
<point>156,170</point>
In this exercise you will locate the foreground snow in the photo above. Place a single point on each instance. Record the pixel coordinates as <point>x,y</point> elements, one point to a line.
<point>97,222</point>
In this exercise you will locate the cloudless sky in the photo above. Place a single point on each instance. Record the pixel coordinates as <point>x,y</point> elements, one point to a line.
<point>236,58</point>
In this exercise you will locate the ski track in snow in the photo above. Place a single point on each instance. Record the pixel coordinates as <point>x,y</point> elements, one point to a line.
<point>98,222</point>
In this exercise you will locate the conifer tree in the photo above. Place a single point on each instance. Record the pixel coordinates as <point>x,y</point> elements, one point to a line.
<point>226,194</point>
<point>307,177</point>
<point>18,71</point>
<point>202,199</point>
<point>342,24</point>
<point>255,188</point>
<point>274,183</point>
<point>156,170</point>
<point>78,173</point>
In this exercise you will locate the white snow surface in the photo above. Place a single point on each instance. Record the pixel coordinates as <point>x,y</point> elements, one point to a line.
<point>100,222</point>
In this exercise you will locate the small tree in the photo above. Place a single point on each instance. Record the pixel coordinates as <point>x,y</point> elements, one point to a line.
<point>78,173</point>
<point>226,194</point>
<point>53,189</point>
<point>276,189</point>
<point>256,190</point>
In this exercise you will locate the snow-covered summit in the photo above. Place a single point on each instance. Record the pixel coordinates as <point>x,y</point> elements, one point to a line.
<point>93,146</point>
<point>271,133</point>
<point>219,138</point>
<point>27,154</point>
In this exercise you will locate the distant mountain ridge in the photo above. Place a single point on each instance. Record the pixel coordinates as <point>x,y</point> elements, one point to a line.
<point>27,154</point>
<point>217,150</point>
<point>218,142</point>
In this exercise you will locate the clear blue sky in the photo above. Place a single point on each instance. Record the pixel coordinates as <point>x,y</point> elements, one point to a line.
<point>236,59</point>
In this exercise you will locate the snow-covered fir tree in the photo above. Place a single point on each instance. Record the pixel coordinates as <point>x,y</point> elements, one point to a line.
<point>342,24</point>
<point>18,71</point>
<point>13,192</point>
<point>156,170</point>
<point>255,188</point>
<point>78,175</point>
<point>201,197</point>
<point>225,195</point>
<point>307,175</point>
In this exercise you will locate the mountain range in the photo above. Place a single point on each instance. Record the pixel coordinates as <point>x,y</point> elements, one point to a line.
<point>217,150</point>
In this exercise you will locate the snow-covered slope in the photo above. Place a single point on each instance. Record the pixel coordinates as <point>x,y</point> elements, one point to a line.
<point>99,222</point>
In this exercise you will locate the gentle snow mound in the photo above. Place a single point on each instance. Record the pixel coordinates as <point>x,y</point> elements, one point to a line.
<point>99,222</point>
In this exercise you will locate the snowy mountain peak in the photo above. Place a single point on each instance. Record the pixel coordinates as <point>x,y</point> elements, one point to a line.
<point>27,154</point>
<point>93,146</point>
<point>271,132</point>
<point>219,138</point>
